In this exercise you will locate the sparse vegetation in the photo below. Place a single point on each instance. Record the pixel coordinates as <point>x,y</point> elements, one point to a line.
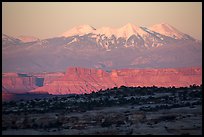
<point>36,113</point>
<point>165,98</point>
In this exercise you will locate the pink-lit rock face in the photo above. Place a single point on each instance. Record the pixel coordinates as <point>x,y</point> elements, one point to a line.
<point>49,77</point>
<point>83,80</point>
<point>21,83</point>
<point>13,83</point>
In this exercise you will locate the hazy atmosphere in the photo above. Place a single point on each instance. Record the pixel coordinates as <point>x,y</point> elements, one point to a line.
<point>102,68</point>
<point>45,20</point>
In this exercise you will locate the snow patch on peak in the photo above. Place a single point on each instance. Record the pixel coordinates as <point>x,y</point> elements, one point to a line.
<point>129,30</point>
<point>125,31</point>
<point>129,25</point>
<point>74,40</point>
<point>79,30</point>
<point>85,27</point>
<point>106,31</point>
<point>167,30</point>
<point>28,38</point>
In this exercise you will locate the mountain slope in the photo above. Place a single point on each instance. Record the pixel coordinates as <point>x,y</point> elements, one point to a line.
<point>8,41</point>
<point>28,38</point>
<point>167,30</point>
<point>79,30</point>
<point>107,48</point>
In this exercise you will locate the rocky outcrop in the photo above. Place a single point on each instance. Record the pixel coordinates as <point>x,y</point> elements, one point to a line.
<point>83,80</point>
<point>18,83</point>
<point>21,83</point>
<point>161,77</point>
<point>49,77</point>
<point>79,80</point>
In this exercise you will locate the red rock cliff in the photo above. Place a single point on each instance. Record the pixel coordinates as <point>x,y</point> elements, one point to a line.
<point>49,77</point>
<point>14,83</point>
<point>83,80</point>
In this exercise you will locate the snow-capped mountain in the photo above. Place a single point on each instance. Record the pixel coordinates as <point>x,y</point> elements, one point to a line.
<point>168,30</point>
<point>130,35</point>
<point>79,30</point>
<point>129,46</point>
<point>28,38</point>
<point>126,31</point>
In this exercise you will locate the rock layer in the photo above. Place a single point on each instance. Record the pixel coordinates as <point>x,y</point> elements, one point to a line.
<point>18,83</point>
<point>84,80</point>
<point>22,83</point>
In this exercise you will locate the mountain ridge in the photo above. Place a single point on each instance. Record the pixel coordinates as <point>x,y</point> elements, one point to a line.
<point>125,31</point>
<point>145,48</point>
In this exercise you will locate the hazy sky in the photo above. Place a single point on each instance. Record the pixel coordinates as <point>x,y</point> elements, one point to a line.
<point>45,20</point>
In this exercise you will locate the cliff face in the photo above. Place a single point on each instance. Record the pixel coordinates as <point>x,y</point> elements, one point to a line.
<point>18,83</point>
<point>49,77</point>
<point>21,83</point>
<point>82,80</point>
<point>79,80</point>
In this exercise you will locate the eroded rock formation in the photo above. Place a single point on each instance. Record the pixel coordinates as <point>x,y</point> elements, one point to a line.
<point>22,83</point>
<point>18,83</point>
<point>84,80</point>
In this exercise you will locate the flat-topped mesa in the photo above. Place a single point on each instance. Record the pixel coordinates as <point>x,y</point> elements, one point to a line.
<point>190,71</point>
<point>84,80</point>
<point>10,74</point>
<point>79,71</point>
<point>48,77</point>
<point>76,71</point>
<point>22,82</point>
<point>18,83</point>
<point>160,71</point>
<point>79,80</point>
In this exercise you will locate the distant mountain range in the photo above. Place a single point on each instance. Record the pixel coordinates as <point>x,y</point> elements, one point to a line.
<point>159,46</point>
